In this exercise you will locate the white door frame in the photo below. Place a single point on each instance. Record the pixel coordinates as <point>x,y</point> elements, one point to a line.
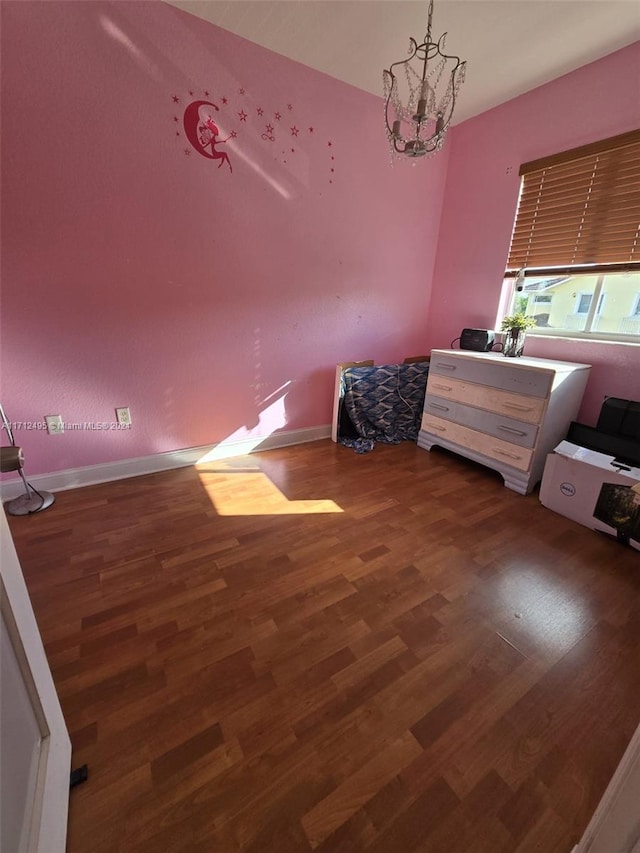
<point>47,815</point>
<point>615,825</point>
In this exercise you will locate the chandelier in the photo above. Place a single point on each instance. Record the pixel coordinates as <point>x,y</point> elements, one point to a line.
<point>430,81</point>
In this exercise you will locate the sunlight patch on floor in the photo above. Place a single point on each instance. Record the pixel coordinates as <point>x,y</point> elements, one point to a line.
<point>541,614</point>
<point>239,487</point>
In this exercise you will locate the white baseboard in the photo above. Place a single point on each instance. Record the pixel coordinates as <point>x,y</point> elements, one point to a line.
<point>72,478</point>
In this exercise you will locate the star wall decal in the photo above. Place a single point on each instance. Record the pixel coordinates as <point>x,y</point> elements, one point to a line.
<point>196,129</point>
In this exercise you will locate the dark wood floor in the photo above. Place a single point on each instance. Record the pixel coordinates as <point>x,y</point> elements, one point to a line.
<point>309,649</point>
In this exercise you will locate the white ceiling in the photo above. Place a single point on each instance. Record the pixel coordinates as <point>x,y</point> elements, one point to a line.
<point>511,46</point>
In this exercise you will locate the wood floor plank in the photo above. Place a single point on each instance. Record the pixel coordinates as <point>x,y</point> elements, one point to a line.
<point>330,813</point>
<point>312,649</point>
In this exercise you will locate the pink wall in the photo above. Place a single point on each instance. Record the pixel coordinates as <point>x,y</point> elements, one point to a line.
<point>599,100</point>
<point>212,303</point>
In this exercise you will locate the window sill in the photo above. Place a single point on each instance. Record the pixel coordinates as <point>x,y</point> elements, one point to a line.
<point>594,337</point>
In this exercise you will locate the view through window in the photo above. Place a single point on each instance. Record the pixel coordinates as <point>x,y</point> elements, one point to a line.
<point>605,305</point>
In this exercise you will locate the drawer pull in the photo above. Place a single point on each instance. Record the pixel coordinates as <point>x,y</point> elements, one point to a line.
<point>442,387</point>
<point>447,366</point>
<point>506,453</point>
<point>512,430</point>
<point>442,408</point>
<point>437,428</point>
<point>518,407</point>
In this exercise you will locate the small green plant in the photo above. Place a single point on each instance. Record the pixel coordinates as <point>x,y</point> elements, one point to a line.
<point>518,321</point>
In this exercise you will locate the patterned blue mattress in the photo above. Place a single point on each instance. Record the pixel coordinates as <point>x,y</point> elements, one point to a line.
<point>383,403</point>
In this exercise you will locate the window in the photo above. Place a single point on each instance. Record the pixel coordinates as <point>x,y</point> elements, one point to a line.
<point>574,260</point>
<point>600,306</point>
<point>584,301</point>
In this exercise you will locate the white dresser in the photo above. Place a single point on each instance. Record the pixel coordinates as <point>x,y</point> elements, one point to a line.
<point>507,413</point>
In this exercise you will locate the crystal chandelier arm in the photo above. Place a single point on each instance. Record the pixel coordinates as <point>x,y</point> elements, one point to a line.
<point>391,78</point>
<point>413,52</point>
<point>414,47</point>
<point>440,45</point>
<point>456,79</point>
<point>400,150</point>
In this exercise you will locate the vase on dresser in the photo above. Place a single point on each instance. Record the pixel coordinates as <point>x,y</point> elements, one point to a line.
<point>513,344</point>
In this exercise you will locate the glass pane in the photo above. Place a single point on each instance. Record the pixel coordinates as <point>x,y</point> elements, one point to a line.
<point>584,302</point>
<point>619,301</point>
<point>562,303</point>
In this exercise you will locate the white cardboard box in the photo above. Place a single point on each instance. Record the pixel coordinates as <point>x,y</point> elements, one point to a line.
<point>589,488</point>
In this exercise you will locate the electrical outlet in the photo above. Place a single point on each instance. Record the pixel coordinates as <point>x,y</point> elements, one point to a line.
<point>54,424</point>
<point>124,416</point>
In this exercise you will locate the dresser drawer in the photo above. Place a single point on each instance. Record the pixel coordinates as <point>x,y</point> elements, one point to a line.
<point>509,429</point>
<point>496,372</point>
<point>495,448</point>
<point>529,409</point>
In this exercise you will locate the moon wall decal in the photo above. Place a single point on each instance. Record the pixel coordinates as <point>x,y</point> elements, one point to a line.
<point>202,132</point>
<point>191,122</point>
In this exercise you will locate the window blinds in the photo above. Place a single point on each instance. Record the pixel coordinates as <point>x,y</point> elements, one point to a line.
<point>581,207</point>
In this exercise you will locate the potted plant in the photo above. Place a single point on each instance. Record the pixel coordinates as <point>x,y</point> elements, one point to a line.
<point>515,326</point>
